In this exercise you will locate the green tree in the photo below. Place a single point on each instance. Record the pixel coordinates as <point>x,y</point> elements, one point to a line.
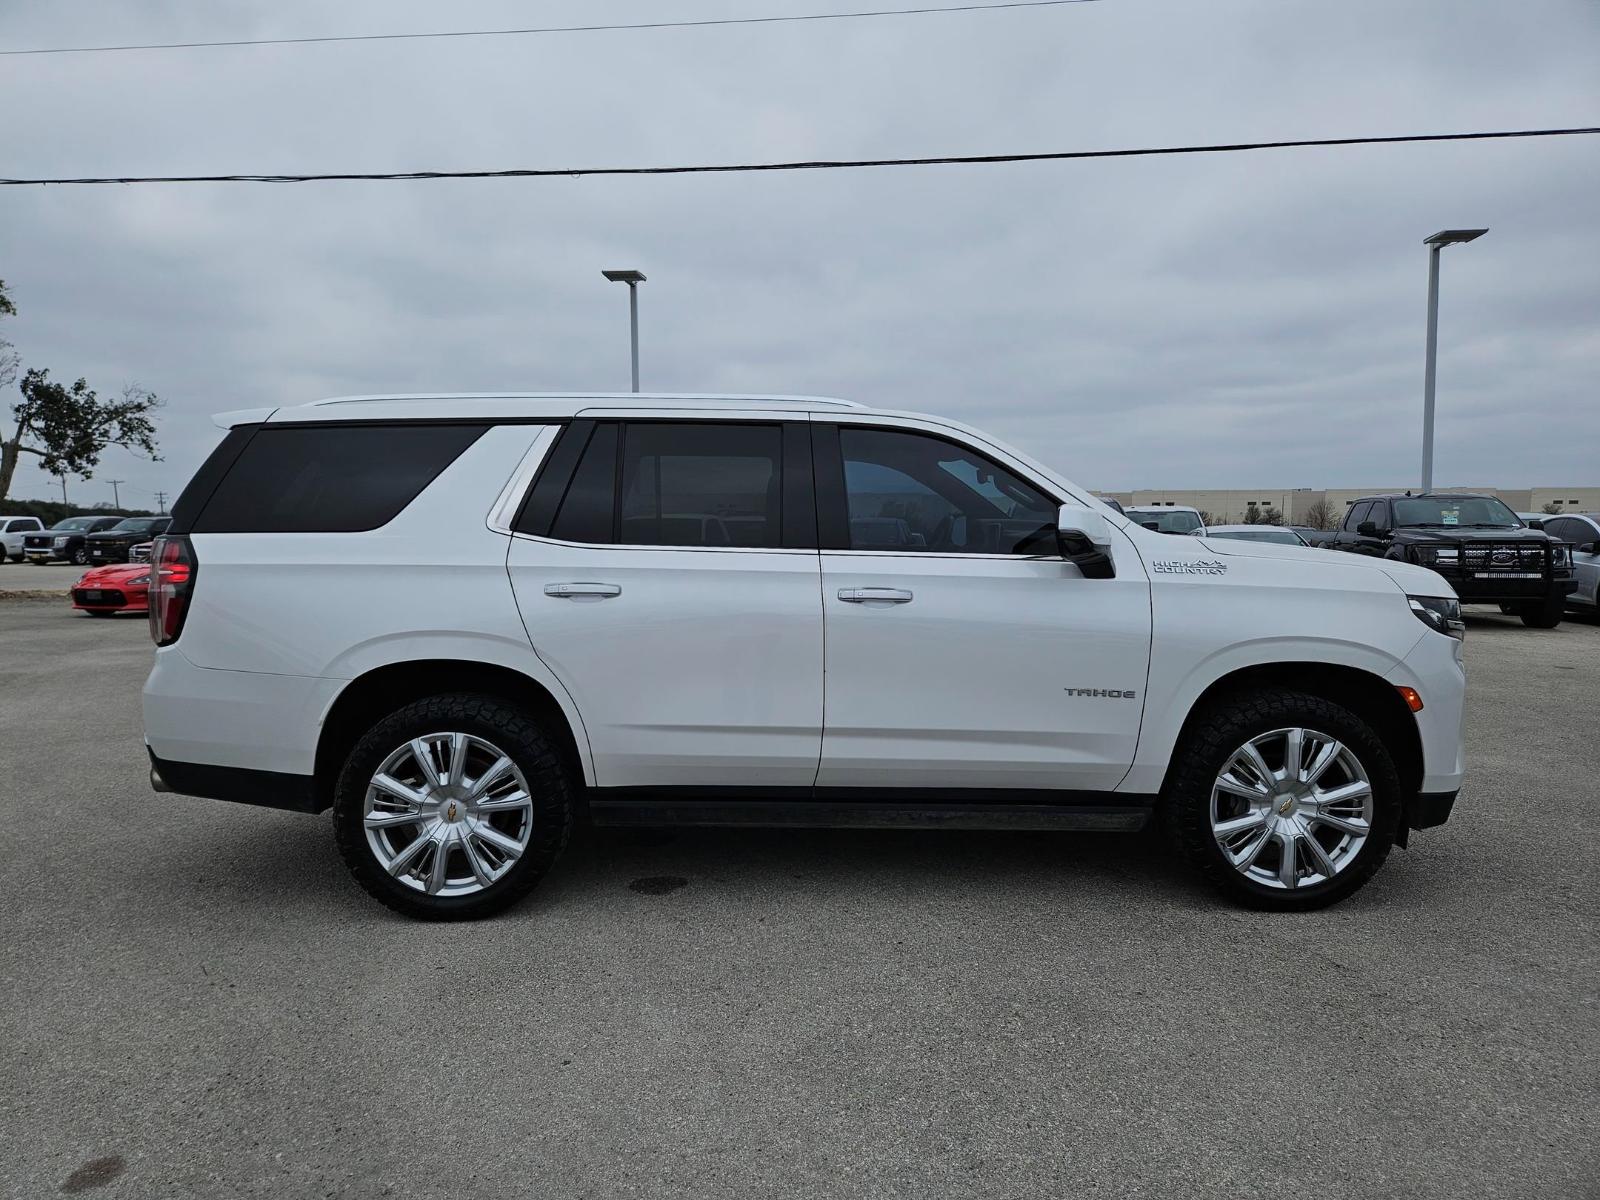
<point>68,428</point>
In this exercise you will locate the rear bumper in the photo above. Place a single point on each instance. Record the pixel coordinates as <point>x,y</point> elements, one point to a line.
<point>1428,809</point>
<point>265,789</point>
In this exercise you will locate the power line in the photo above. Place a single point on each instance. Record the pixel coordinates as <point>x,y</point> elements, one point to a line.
<point>819,165</point>
<point>476,33</point>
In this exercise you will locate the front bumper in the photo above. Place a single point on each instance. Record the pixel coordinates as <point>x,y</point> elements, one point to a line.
<point>109,600</point>
<point>1507,587</point>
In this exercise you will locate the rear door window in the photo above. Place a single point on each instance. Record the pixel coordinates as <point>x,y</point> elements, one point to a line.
<point>733,485</point>
<point>330,478</point>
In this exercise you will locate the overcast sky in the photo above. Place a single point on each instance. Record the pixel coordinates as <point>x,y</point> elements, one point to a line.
<point>1200,321</point>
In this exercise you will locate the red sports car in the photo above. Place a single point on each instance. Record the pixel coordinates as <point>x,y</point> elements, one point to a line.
<point>122,587</point>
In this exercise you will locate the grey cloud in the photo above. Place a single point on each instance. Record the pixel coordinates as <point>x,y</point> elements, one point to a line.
<point>1253,320</point>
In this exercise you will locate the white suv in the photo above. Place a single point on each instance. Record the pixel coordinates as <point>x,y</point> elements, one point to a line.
<point>466,622</point>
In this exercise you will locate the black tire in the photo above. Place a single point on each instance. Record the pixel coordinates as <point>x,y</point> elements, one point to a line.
<point>1231,722</point>
<point>80,557</point>
<point>516,734</point>
<point>1545,614</point>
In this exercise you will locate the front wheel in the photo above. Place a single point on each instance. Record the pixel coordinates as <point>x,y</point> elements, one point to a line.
<point>80,557</point>
<point>453,807</point>
<point>1283,800</point>
<point>1545,614</point>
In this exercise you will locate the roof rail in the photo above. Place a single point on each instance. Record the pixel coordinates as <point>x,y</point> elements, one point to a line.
<point>797,401</point>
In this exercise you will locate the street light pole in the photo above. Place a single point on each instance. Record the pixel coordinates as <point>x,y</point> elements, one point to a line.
<point>1435,244</point>
<point>633,279</point>
<point>116,496</point>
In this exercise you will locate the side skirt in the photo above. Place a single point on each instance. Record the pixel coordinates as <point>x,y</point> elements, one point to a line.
<point>871,808</point>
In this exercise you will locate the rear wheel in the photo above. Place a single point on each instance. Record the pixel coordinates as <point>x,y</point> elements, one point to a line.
<point>1545,614</point>
<point>1283,800</point>
<point>453,807</point>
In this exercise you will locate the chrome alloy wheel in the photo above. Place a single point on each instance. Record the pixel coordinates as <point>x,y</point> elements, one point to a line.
<point>1291,808</point>
<point>448,814</point>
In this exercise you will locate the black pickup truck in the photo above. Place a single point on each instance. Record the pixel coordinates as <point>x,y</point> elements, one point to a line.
<point>115,545</point>
<point>1476,542</point>
<point>66,540</point>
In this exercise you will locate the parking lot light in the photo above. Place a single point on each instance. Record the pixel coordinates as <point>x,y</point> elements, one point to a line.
<point>1436,243</point>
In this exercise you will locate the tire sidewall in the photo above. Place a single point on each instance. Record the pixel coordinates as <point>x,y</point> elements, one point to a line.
<point>511,731</point>
<point>1189,806</point>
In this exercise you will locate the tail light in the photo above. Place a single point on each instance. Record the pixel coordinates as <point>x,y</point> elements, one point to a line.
<point>173,567</point>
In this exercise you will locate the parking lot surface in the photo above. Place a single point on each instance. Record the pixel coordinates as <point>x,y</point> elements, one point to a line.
<point>28,577</point>
<point>197,1001</point>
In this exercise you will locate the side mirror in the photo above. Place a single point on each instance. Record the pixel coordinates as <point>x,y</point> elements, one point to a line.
<point>1366,529</point>
<point>1535,524</point>
<point>1586,548</point>
<point>1083,537</point>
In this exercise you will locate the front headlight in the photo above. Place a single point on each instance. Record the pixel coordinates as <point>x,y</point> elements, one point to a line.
<point>139,581</point>
<point>1440,615</point>
<point>1560,555</point>
<point>1444,556</point>
<point>59,542</point>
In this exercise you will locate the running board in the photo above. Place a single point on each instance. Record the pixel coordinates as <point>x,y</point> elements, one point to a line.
<point>822,814</point>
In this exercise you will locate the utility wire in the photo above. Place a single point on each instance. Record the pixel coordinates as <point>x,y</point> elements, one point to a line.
<point>819,165</point>
<point>473,33</point>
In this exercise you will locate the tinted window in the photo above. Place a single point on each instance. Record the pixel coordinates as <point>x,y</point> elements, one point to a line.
<point>1464,510</point>
<point>1174,521</point>
<point>587,512</point>
<point>1286,537</point>
<point>1379,515</point>
<point>330,478</point>
<point>689,484</point>
<point>75,524</point>
<point>907,491</point>
<point>140,525</point>
<point>1356,515</point>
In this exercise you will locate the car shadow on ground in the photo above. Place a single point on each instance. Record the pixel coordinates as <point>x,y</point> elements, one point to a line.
<point>768,867</point>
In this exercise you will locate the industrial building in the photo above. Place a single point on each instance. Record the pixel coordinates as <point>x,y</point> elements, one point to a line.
<point>1232,505</point>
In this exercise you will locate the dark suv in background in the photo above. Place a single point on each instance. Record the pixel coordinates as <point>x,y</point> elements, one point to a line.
<point>116,544</point>
<point>1486,552</point>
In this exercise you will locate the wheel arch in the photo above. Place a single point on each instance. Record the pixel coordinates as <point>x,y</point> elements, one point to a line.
<point>369,697</point>
<point>1367,695</point>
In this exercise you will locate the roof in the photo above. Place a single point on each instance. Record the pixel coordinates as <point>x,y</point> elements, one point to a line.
<point>504,405</point>
<point>1425,496</point>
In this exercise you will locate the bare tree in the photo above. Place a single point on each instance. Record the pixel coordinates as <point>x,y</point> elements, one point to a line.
<point>1550,508</point>
<point>1321,516</point>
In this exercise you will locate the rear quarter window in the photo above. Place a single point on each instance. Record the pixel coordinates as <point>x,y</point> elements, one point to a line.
<point>329,478</point>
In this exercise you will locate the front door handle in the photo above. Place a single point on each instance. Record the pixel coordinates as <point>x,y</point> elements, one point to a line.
<point>878,595</point>
<point>570,591</point>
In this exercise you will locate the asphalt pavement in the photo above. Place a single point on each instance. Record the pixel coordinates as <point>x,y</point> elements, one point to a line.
<point>196,1001</point>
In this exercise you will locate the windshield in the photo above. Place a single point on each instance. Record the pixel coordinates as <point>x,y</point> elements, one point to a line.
<point>134,525</point>
<point>1286,537</point>
<point>1167,520</point>
<point>1454,510</point>
<point>72,524</point>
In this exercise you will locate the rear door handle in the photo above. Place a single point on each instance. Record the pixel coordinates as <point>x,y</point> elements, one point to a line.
<point>567,591</point>
<point>878,595</point>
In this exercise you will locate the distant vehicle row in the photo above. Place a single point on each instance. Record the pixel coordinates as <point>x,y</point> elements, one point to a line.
<point>1532,567</point>
<point>81,540</point>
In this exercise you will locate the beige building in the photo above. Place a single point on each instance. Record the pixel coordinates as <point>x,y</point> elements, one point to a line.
<point>1226,506</point>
